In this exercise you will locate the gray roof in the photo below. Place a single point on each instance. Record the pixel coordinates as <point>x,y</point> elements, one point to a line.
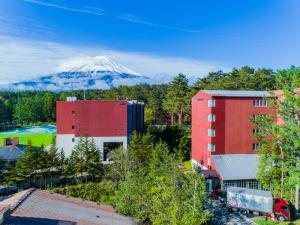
<point>44,208</point>
<point>11,152</point>
<point>237,166</point>
<point>237,93</point>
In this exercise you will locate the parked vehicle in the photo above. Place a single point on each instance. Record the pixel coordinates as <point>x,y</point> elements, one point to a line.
<point>249,200</point>
<point>6,190</point>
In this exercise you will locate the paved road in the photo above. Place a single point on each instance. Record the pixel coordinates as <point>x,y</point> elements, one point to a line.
<point>221,216</point>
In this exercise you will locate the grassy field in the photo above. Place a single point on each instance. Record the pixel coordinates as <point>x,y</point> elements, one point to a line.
<point>271,222</point>
<point>37,139</point>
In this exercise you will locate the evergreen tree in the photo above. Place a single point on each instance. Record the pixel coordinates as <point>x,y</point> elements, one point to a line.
<point>26,165</point>
<point>140,150</point>
<point>121,165</point>
<point>85,158</point>
<point>94,165</point>
<point>10,175</point>
<point>280,151</point>
<point>184,147</point>
<point>176,98</point>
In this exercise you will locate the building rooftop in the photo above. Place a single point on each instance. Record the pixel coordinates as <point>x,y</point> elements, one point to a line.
<point>41,207</point>
<point>11,152</point>
<point>237,166</point>
<point>237,93</point>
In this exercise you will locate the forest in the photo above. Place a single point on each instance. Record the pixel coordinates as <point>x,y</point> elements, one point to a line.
<point>164,103</point>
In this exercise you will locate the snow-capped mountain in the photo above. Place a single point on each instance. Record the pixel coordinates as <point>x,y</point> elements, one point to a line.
<point>99,72</point>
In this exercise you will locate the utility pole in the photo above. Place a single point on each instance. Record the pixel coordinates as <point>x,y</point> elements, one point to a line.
<point>297,198</point>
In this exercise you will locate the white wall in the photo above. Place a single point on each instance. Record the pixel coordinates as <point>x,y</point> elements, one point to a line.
<point>64,141</point>
<point>196,165</point>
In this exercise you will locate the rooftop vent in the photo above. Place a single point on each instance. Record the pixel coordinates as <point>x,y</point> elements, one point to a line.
<point>71,98</point>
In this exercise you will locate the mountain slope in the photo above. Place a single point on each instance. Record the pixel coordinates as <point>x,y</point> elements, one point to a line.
<point>99,72</point>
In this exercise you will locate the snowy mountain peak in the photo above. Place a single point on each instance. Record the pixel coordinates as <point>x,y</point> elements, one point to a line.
<point>79,73</point>
<point>95,64</point>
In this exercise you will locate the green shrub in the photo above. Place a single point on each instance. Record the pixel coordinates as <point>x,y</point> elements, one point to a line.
<point>102,192</point>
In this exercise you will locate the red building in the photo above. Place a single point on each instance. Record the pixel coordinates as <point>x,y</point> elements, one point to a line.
<point>109,123</point>
<point>222,134</point>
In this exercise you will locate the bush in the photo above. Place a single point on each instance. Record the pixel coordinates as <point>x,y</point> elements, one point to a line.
<point>102,192</point>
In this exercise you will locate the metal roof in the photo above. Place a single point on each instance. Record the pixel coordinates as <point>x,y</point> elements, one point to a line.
<point>237,93</point>
<point>237,166</point>
<point>42,207</point>
<point>11,152</point>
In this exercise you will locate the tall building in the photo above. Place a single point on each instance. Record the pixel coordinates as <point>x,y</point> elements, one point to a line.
<point>109,122</point>
<point>223,145</point>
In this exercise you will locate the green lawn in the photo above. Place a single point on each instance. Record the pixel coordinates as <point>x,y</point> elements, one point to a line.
<point>271,222</point>
<point>37,139</point>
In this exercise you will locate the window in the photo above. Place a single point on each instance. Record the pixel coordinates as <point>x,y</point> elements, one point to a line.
<point>73,127</point>
<point>211,103</point>
<point>73,112</point>
<point>256,146</point>
<point>256,131</point>
<point>252,184</point>
<point>208,162</point>
<point>259,102</point>
<point>73,139</point>
<point>211,117</point>
<point>284,208</point>
<point>211,132</point>
<point>211,147</point>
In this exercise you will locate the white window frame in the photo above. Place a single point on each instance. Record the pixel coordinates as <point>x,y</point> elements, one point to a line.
<point>256,131</point>
<point>211,103</point>
<point>211,118</point>
<point>211,147</point>
<point>260,102</point>
<point>211,132</point>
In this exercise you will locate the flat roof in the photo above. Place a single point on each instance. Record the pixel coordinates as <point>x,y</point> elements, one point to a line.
<point>237,166</point>
<point>237,93</point>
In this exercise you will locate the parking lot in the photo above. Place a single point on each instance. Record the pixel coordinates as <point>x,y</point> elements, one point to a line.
<point>222,216</point>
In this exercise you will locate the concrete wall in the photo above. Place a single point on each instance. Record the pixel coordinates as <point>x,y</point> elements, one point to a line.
<point>64,141</point>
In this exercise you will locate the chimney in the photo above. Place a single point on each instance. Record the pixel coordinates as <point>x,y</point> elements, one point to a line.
<point>15,141</point>
<point>5,141</point>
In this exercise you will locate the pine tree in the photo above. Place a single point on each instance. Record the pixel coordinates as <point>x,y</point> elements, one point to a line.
<point>177,98</point>
<point>26,165</point>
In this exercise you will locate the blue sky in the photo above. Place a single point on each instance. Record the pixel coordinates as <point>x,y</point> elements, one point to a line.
<point>152,37</point>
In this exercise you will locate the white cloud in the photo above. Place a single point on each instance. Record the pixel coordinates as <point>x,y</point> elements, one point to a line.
<point>101,12</point>
<point>84,9</point>
<point>135,19</point>
<point>22,59</point>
